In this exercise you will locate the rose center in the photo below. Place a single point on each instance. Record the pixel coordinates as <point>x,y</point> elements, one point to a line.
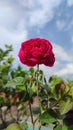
<point>37,45</point>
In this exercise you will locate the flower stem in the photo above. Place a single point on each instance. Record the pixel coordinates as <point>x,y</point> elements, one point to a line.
<point>31,114</point>
<point>37,67</point>
<point>39,127</point>
<point>38,88</point>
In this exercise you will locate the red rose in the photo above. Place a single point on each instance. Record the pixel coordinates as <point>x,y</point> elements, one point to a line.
<point>36,51</point>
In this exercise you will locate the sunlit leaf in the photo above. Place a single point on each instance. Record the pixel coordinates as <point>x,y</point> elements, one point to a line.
<point>13,126</point>
<point>65,106</point>
<point>16,81</point>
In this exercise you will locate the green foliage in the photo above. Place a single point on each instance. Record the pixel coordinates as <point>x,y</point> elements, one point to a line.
<point>70,84</point>
<point>47,117</point>
<point>13,126</point>
<point>55,80</point>
<point>61,127</point>
<point>24,126</point>
<point>19,71</point>
<point>65,106</point>
<point>16,81</point>
<point>54,96</point>
<point>6,61</point>
<point>21,126</point>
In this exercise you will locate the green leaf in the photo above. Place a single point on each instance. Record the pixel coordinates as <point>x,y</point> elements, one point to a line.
<point>30,92</point>
<point>70,127</point>
<point>20,106</point>
<point>16,81</point>
<point>47,117</point>
<point>28,95</point>
<point>61,127</point>
<point>13,126</point>
<point>55,80</point>
<point>31,70</point>
<point>70,84</point>
<point>21,88</point>
<point>10,59</point>
<point>9,47</point>
<point>24,126</point>
<point>65,106</point>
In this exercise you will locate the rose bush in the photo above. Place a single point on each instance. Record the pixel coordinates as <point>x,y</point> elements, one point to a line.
<point>54,98</point>
<point>36,51</point>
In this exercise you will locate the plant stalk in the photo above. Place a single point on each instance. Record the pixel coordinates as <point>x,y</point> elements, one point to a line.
<point>39,127</point>
<point>31,114</point>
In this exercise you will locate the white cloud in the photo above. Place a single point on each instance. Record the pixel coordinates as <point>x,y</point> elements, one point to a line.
<point>61,54</point>
<point>12,28</point>
<point>44,12</point>
<point>64,25</point>
<point>72,39</point>
<point>27,4</point>
<point>67,70</point>
<point>60,24</point>
<point>14,37</point>
<point>61,69</point>
<point>70,2</point>
<point>16,17</point>
<point>69,25</point>
<point>35,12</point>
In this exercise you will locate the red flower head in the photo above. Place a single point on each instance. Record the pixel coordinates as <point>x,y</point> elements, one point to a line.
<point>36,51</point>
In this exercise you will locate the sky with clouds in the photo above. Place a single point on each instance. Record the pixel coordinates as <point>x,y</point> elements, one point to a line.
<point>51,19</point>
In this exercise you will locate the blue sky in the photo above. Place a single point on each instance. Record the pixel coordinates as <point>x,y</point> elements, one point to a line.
<point>51,19</point>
